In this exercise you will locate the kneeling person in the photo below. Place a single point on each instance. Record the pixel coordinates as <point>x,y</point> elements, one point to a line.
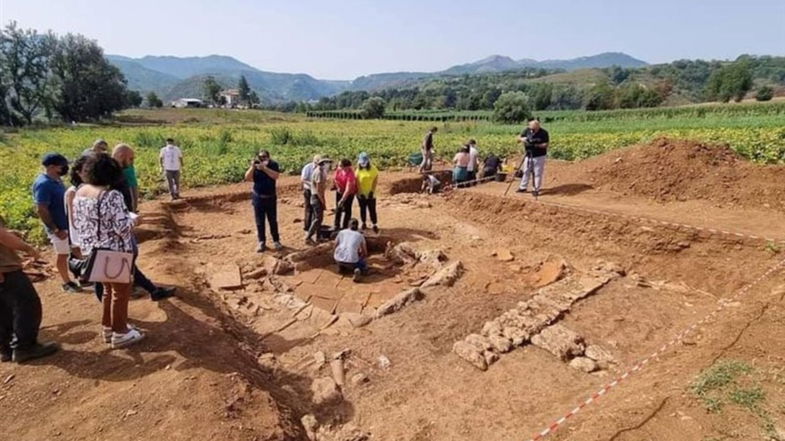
<point>351,251</point>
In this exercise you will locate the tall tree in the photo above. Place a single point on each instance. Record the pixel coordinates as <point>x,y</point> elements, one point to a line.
<point>154,101</point>
<point>245,90</point>
<point>211,90</point>
<point>88,86</point>
<point>28,83</point>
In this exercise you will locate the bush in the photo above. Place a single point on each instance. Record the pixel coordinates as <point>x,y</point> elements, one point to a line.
<point>764,93</point>
<point>154,101</point>
<point>373,108</point>
<point>511,108</point>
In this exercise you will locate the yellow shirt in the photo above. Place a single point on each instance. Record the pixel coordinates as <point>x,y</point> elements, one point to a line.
<point>365,179</point>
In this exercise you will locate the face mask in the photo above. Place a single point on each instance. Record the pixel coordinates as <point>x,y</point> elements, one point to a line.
<point>64,170</point>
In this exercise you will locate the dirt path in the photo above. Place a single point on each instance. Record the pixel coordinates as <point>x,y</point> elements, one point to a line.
<point>239,365</point>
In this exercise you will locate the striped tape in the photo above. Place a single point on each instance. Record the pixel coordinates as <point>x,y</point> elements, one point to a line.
<point>722,304</point>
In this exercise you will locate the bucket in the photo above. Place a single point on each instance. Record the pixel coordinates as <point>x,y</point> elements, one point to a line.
<point>501,177</point>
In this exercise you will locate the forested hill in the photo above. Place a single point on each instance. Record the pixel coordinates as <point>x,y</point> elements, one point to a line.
<point>177,77</point>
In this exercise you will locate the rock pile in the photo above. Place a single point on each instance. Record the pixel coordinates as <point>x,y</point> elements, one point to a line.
<point>522,324</point>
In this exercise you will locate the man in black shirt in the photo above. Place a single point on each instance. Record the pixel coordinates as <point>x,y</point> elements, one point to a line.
<point>491,166</point>
<point>263,172</point>
<point>535,141</point>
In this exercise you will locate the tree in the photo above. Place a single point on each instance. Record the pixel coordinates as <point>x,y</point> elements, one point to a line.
<point>253,99</point>
<point>730,81</point>
<point>511,108</point>
<point>764,93</point>
<point>600,97</point>
<point>154,101</point>
<point>133,98</point>
<point>245,90</point>
<point>373,108</point>
<point>24,72</point>
<point>88,86</point>
<point>211,90</point>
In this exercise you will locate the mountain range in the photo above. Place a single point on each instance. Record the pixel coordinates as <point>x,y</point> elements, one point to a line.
<point>181,77</point>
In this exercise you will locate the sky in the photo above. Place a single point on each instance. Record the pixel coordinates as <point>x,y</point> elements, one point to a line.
<point>347,38</point>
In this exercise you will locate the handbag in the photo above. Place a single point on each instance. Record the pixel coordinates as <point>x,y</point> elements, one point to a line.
<point>105,265</point>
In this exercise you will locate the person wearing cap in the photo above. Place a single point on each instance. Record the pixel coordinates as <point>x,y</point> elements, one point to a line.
<point>345,189</point>
<point>49,197</point>
<point>264,172</point>
<point>20,306</point>
<point>99,146</point>
<point>171,160</point>
<point>318,201</point>
<point>305,177</point>
<point>367,177</point>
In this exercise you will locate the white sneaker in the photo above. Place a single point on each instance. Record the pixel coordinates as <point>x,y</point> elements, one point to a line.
<point>107,331</point>
<point>129,338</point>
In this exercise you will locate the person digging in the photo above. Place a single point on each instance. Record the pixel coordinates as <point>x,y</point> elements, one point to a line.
<point>351,251</point>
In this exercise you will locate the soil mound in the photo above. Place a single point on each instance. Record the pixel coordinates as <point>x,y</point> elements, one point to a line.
<point>671,170</point>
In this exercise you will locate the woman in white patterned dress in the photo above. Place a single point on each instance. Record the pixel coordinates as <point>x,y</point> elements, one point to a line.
<point>102,221</point>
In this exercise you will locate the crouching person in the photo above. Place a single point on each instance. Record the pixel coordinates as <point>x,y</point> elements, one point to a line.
<point>351,251</point>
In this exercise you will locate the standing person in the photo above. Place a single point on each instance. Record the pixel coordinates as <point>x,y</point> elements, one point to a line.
<point>171,160</point>
<point>305,178</point>
<point>318,201</point>
<point>20,306</point>
<point>264,172</point>
<point>351,251</point>
<point>345,189</point>
<point>99,146</point>
<point>124,155</point>
<point>474,162</point>
<point>367,177</point>
<point>460,171</point>
<point>427,150</point>
<point>535,141</point>
<point>101,220</point>
<point>49,197</point>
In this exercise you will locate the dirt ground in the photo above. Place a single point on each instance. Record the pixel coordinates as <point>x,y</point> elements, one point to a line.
<point>240,363</point>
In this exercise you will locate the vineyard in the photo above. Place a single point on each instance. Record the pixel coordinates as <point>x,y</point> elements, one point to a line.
<point>218,144</point>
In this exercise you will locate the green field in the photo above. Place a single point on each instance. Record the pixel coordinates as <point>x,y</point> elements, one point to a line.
<point>218,144</point>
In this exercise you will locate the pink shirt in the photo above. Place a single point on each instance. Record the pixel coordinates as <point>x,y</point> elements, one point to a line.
<point>346,181</point>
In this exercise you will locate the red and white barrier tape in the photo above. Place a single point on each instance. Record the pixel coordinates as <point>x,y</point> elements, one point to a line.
<point>722,304</point>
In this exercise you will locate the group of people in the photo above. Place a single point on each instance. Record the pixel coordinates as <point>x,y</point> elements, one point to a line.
<point>348,184</point>
<point>466,163</point>
<point>96,212</point>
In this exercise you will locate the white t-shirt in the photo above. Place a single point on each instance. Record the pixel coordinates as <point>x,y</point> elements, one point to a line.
<point>71,191</point>
<point>348,248</point>
<point>305,175</point>
<point>473,153</point>
<point>171,155</point>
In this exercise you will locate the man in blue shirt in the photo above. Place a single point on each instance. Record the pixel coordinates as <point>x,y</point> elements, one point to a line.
<point>48,193</point>
<point>263,172</point>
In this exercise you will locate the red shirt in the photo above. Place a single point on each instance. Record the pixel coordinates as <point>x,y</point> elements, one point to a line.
<point>345,181</point>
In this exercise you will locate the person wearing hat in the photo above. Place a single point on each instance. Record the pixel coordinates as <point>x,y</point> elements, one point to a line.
<point>20,306</point>
<point>305,177</point>
<point>367,177</point>
<point>318,201</point>
<point>263,172</point>
<point>49,197</point>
